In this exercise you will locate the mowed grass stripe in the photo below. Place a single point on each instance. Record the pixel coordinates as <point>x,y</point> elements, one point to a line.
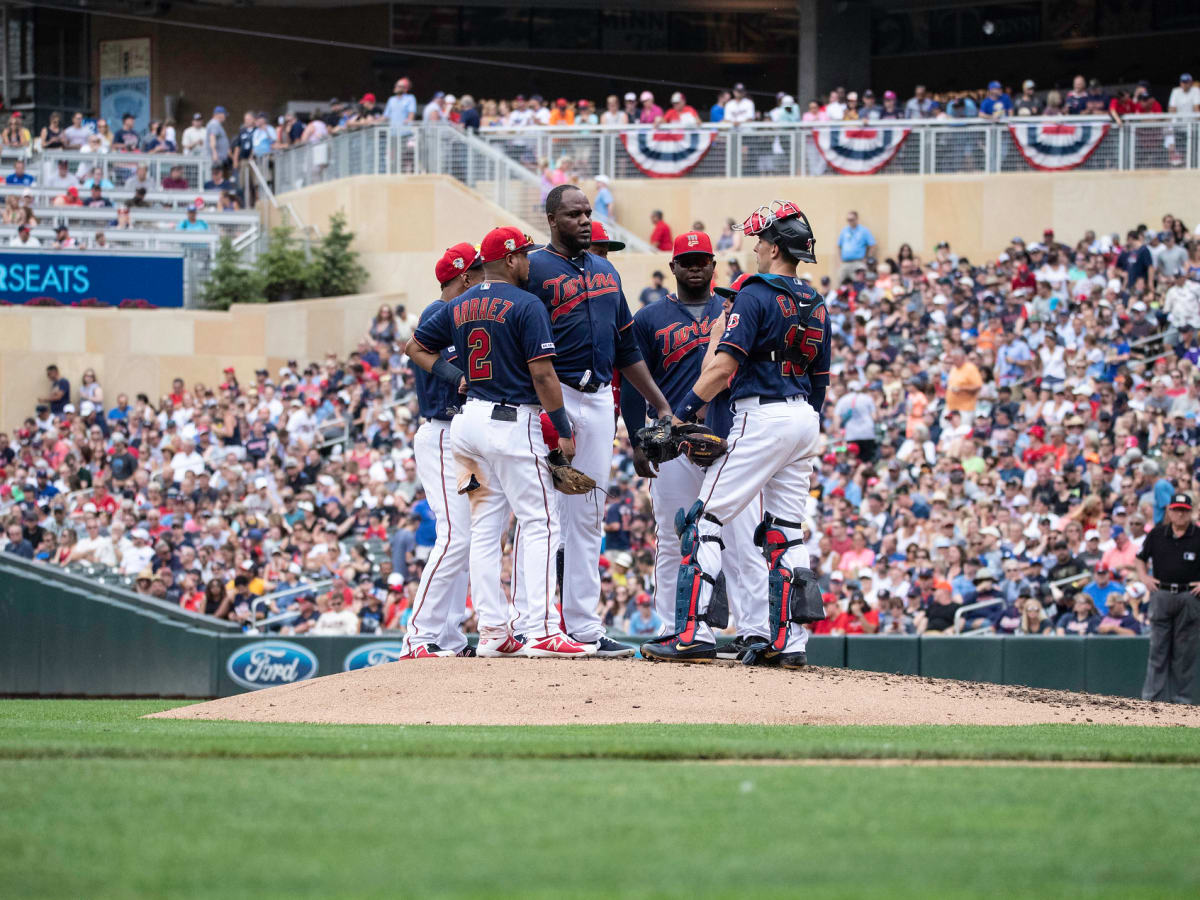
<point>411,827</point>
<point>64,729</point>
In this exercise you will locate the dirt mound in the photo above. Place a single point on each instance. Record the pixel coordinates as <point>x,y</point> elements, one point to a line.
<point>594,692</point>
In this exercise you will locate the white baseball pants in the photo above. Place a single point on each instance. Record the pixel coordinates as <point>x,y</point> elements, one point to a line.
<point>507,458</point>
<point>771,450</point>
<point>441,600</point>
<point>582,515</point>
<point>677,486</point>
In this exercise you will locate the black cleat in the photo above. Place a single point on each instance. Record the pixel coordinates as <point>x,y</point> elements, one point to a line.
<point>671,649</point>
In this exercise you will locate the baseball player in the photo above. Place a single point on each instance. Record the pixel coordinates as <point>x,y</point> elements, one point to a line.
<point>776,350</point>
<point>441,599</point>
<point>502,334</point>
<point>602,244</point>
<point>591,326</point>
<point>673,336</point>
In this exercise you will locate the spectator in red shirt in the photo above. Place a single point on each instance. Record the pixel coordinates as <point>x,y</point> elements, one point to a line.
<point>660,235</point>
<point>859,618</point>
<point>832,612</point>
<point>681,112</point>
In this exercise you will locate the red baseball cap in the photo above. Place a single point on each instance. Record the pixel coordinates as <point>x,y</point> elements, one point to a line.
<point>455,261</point>
<point>732,290</point>
<point>692,242</point>
<point>502,242</point>
<point>600,236</point>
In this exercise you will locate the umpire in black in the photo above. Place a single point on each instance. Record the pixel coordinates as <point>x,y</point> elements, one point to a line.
<point>1172,549</point>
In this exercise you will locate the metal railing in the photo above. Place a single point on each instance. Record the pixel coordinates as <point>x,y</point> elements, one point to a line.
<point>120,167</point>
<point>930,147</point>
<point>961,614</point>
<point>220,224</point>
<point>44,196</point>
<point>256,625</point>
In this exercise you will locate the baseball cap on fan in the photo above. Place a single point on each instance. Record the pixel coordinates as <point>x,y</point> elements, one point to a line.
<point>455,261</point>
<point>692,242</point>
<point>502,242</point>
<point>1180,501</point>
<point>600,235</point>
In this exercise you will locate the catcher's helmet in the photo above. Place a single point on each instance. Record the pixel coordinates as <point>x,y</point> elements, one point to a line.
<point>783,224</point>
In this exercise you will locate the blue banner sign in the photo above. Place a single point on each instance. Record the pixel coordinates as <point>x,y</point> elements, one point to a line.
<point>265,664</point>
<point>64,278</point>
<point>373,654</point>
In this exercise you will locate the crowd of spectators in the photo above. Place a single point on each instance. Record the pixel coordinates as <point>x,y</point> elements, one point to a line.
<point>1006,428</point>
<point>260,133</point>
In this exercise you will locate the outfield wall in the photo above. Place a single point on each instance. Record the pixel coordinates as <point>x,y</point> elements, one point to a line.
<point>64,635</point>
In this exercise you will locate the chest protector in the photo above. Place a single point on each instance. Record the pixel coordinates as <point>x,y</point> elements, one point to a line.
<point>802,339</point>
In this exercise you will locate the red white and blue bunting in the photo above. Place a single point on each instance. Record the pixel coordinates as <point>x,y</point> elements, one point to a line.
<point>1054,147</point>
<point>662,154</point>
<point>859,151</point>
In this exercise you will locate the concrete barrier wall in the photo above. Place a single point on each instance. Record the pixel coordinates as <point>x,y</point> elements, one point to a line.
<point>403,224</point>
<point>142,350</point>
<point>977,214</point>
<point>63,635</point>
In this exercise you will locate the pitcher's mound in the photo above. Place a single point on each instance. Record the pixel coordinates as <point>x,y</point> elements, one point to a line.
<point>605,692</point>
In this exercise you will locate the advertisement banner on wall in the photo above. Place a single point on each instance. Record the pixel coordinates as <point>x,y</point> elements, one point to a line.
<point>60,278</point>
<point>119,96</point>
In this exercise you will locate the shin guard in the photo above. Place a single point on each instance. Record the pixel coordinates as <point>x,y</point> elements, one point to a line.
<point>690,605</point>
<point>785,593</point>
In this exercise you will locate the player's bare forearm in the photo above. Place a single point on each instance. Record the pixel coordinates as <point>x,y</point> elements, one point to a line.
<point>638,374</point>
<point>418,354</point>
<point>545,382</point>
<point>713,379</point>
<point>714,338</point>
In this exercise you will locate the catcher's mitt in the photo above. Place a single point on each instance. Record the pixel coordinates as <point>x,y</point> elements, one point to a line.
<point>567,478</point>
<point>663,441</point>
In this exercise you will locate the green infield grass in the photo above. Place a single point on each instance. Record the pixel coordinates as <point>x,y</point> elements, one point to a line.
<point>98,802</point>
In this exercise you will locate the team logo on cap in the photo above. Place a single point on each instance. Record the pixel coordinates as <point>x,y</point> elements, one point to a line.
<point>693,240</point>
<point>459,262</point>
<point>510,244</point>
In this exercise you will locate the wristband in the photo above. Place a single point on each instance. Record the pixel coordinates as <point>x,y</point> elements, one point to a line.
<point>562,424</point>
<point>687,410</point>
<point>447,371</point>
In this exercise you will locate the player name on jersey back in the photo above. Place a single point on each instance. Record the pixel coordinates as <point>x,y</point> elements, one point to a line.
<point>475,309</point>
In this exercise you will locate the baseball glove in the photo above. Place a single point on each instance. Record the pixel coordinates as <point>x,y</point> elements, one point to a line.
<point>663,441</point>
<point>567,478</point>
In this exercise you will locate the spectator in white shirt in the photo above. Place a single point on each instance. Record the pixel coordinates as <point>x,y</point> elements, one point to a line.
<point>193,136</point>
<point>335,619</point>
<point>741,108</point>
<point>61,178</point>
<point>836,107</point>
<point>188,460</point>
<point>23,239</point>
<point>95,547</point>
<point>1185,99</point>
<point>1182,302</point>
<point>139,553</point>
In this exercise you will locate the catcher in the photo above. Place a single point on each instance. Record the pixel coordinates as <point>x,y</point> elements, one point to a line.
<point>673,336</point>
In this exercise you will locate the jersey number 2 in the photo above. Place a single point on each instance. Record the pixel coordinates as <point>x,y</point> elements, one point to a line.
<point>479,367</point>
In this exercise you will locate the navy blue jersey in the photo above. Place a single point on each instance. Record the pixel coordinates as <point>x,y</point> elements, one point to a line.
<point>672,342</point>
<point>759,323</point>
<point>433,394</point>
<point>498,329</point>
<point>588,313</point>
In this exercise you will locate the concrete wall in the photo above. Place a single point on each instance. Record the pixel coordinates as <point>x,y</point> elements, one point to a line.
<point>403,223</point>
<point>977,214</point>
<point>141,350</point>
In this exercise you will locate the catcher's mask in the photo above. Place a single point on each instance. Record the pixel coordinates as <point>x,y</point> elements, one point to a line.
<point>783,223</point>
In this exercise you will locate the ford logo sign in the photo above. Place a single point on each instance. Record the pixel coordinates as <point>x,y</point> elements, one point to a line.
<point>265,664</point>
<point>375,654</point>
